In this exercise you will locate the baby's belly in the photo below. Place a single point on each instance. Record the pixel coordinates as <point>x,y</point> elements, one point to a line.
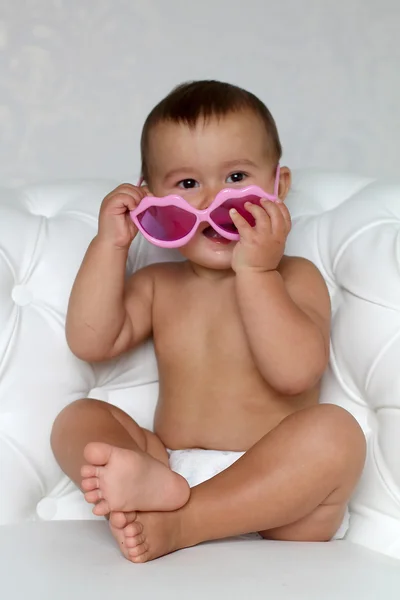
<point>228,423</point>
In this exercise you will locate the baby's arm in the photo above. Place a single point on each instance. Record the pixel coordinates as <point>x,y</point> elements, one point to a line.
<point>107,316</point>
<point>284,302</point>
<point>286,314</point>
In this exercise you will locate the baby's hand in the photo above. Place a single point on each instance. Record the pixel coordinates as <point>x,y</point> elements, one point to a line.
<point>115,223</point>
<point>261,247</point>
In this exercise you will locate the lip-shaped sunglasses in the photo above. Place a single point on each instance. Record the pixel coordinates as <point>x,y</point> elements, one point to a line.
<point>171,222</point>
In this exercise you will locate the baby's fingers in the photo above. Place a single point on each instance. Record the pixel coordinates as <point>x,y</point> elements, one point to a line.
<point>278,223</point>
<point>124,200</point>
<point>263,223</point>
<point>127,194</point>
<point>286,215</point>
<point>145,190</point>
<point>243,227</point>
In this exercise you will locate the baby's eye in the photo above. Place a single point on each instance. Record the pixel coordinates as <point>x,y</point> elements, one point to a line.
<point>236,177</point>
<point>187,184</point>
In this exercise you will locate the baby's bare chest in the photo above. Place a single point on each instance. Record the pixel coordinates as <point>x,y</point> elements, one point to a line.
<point>200,325</point>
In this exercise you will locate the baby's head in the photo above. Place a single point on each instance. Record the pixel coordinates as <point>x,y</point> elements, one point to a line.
<point>206,136</point>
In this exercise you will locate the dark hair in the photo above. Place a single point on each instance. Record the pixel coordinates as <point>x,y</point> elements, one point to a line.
<point>205,99</point>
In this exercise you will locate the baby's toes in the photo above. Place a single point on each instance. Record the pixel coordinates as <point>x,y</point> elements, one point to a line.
<point>139,553</point>
<point>133,529</point>
<point>134,540</point>
<point>93,496</point>
<point>101,509</point>
<point>89,484</point>
<point>89,471</point>
<point>122,519</point>
<point>97,453</point>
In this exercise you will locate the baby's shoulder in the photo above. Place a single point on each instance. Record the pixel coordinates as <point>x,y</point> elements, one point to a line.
<point>308,290</point>
<point>161,272</point>
<point>301,272</point>
<point>291,265</point>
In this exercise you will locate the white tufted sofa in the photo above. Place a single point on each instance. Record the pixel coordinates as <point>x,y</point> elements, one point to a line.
<point>350,227</point>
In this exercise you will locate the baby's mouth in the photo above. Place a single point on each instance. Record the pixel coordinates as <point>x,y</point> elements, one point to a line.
<point>214,236</point>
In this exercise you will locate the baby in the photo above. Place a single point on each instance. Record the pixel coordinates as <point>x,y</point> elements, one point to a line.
<point>241,335</point>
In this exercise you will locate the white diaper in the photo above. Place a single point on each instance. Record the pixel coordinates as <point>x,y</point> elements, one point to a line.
<point>341,532</point>
<point>197,465</point>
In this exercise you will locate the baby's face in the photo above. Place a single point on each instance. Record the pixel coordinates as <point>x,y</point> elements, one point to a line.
<point>197,163</point>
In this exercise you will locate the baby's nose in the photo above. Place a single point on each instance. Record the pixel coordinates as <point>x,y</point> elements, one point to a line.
<point>206,200</point>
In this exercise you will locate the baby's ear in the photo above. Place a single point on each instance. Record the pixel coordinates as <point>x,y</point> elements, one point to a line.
<point>285,183</point>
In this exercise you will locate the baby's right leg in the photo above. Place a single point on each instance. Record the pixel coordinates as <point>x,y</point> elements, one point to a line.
<point>117,464</point>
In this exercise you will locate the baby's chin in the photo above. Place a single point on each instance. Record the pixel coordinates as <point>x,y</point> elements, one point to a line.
<point>209,254</point>
<point>213,265</point>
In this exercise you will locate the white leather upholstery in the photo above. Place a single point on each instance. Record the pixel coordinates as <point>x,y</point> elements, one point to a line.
<point>349,226</point>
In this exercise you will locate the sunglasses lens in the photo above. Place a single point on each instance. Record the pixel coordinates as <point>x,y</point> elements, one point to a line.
<point>167,223</point>
<point>221,216</point>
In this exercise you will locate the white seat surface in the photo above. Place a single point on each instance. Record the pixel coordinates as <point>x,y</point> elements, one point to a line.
<point>76,561</point>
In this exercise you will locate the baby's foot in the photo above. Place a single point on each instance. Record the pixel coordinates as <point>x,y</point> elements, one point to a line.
<point>116,479</point>
<point>119,522</point>
<point>148,535</point>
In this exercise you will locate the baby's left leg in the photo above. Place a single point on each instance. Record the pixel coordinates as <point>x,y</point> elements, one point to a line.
<point>294,484</point>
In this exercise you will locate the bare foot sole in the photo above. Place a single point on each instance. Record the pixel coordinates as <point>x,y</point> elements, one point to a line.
<point>116,479</point>
<point>145,536</point>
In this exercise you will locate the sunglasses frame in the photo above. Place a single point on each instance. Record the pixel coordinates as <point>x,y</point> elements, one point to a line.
<point>202,216</point>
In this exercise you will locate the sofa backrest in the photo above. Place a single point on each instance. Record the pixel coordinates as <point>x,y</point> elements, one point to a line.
<point>348,226</point>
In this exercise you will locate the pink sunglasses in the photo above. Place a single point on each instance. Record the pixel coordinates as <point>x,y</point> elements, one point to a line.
<point>171,222</point>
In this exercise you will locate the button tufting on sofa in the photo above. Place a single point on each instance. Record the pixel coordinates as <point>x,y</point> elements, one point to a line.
<point>21,295</point>
<point>46,509</point>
